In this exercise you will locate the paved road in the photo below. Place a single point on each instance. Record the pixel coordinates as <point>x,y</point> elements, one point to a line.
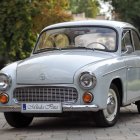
<point>127,128</point>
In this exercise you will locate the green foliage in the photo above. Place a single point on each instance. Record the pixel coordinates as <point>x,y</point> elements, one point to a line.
<point>16,40</point>
<point>21,20</point>
<point>89,7</point>
<point>127,10</point>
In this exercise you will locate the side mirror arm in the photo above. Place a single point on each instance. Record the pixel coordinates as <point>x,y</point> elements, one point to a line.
<point>129,49</point>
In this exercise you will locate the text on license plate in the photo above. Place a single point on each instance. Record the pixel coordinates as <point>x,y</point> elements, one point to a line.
<point>42,107</point>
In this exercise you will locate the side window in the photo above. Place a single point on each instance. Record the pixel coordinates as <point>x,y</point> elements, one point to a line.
<point>136,40</point>
<point>126,40</point>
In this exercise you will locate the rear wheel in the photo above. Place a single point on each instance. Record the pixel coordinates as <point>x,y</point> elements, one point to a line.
<point>109,116</point>
<point>138,106</point>
<point>18,120</point>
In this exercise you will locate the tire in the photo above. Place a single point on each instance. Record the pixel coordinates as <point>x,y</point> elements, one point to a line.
<point>17,120</point>
<point>109,116</point>
<point>138,106</point>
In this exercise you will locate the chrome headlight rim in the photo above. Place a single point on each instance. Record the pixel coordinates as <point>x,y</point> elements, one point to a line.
<point>8,83</point>
<point>92,80</point>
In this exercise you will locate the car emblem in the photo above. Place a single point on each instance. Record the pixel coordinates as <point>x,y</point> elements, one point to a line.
<point>42,76</point>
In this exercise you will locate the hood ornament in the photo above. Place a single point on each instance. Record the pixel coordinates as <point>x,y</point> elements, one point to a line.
<point>42,76</point>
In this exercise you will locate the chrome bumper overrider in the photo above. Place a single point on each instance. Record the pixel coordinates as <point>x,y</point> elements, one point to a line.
<point>65,108</point>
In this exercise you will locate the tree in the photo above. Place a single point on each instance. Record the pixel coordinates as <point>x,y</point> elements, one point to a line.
<point>50,12</point>
<point>89,7</point>
<point>16,40</point>
<point>21,20</point>
<point>127,10</point>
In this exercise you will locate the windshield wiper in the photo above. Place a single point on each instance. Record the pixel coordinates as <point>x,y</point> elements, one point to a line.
<point>85,48</point>
<point>79,48</point>
<point>47,49</point>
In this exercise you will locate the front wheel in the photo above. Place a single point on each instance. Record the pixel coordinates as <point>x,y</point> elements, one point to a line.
<point>17,120</point>
<point>109,116</point>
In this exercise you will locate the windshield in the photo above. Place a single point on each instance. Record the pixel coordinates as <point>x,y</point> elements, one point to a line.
<point>99,38</point>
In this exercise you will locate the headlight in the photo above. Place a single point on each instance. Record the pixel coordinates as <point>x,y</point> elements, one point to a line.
<point>87,80</point>
<point>5,81</point>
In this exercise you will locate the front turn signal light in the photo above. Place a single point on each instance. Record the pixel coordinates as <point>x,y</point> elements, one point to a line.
<point>4,98</point>
<point>88,97</point>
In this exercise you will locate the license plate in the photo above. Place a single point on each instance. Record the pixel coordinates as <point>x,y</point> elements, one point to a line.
<point>41,107</point>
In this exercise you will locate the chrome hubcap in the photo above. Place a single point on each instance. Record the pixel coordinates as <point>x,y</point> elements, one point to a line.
<point>112,105</point>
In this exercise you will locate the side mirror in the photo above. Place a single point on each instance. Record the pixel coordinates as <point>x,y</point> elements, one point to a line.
<point>129,49</point>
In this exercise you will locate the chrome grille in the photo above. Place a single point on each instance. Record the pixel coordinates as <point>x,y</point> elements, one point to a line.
<point>49,94</point>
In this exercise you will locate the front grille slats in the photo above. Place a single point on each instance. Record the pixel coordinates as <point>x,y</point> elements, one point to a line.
<point>50,94</point>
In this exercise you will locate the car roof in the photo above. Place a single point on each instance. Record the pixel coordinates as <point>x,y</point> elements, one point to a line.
<point>107,23</point>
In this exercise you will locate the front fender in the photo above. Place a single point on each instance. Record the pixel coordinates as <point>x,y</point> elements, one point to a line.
<point>105,72</point>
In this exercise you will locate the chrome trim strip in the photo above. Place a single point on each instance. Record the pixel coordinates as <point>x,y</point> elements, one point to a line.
<point>114,71</point>
<point>80,108</point>
<point>65,108</point>
<point>10,108</point>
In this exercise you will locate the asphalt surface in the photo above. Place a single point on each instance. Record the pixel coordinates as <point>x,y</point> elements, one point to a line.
<point>127,128</point>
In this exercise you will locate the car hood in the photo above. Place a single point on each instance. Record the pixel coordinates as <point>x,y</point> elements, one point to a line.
<point>54,68</point>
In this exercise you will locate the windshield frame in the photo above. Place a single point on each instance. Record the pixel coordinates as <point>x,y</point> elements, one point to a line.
<point>76,26</point>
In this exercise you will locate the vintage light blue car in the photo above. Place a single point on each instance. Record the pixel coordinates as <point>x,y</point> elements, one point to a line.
<point>83,66</point>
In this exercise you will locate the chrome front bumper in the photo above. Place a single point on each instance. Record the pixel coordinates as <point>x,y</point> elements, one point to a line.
<point>65,108</point>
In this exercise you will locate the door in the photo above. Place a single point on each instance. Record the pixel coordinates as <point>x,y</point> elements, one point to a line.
<point>131,63</point>
<point>134,85</point>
